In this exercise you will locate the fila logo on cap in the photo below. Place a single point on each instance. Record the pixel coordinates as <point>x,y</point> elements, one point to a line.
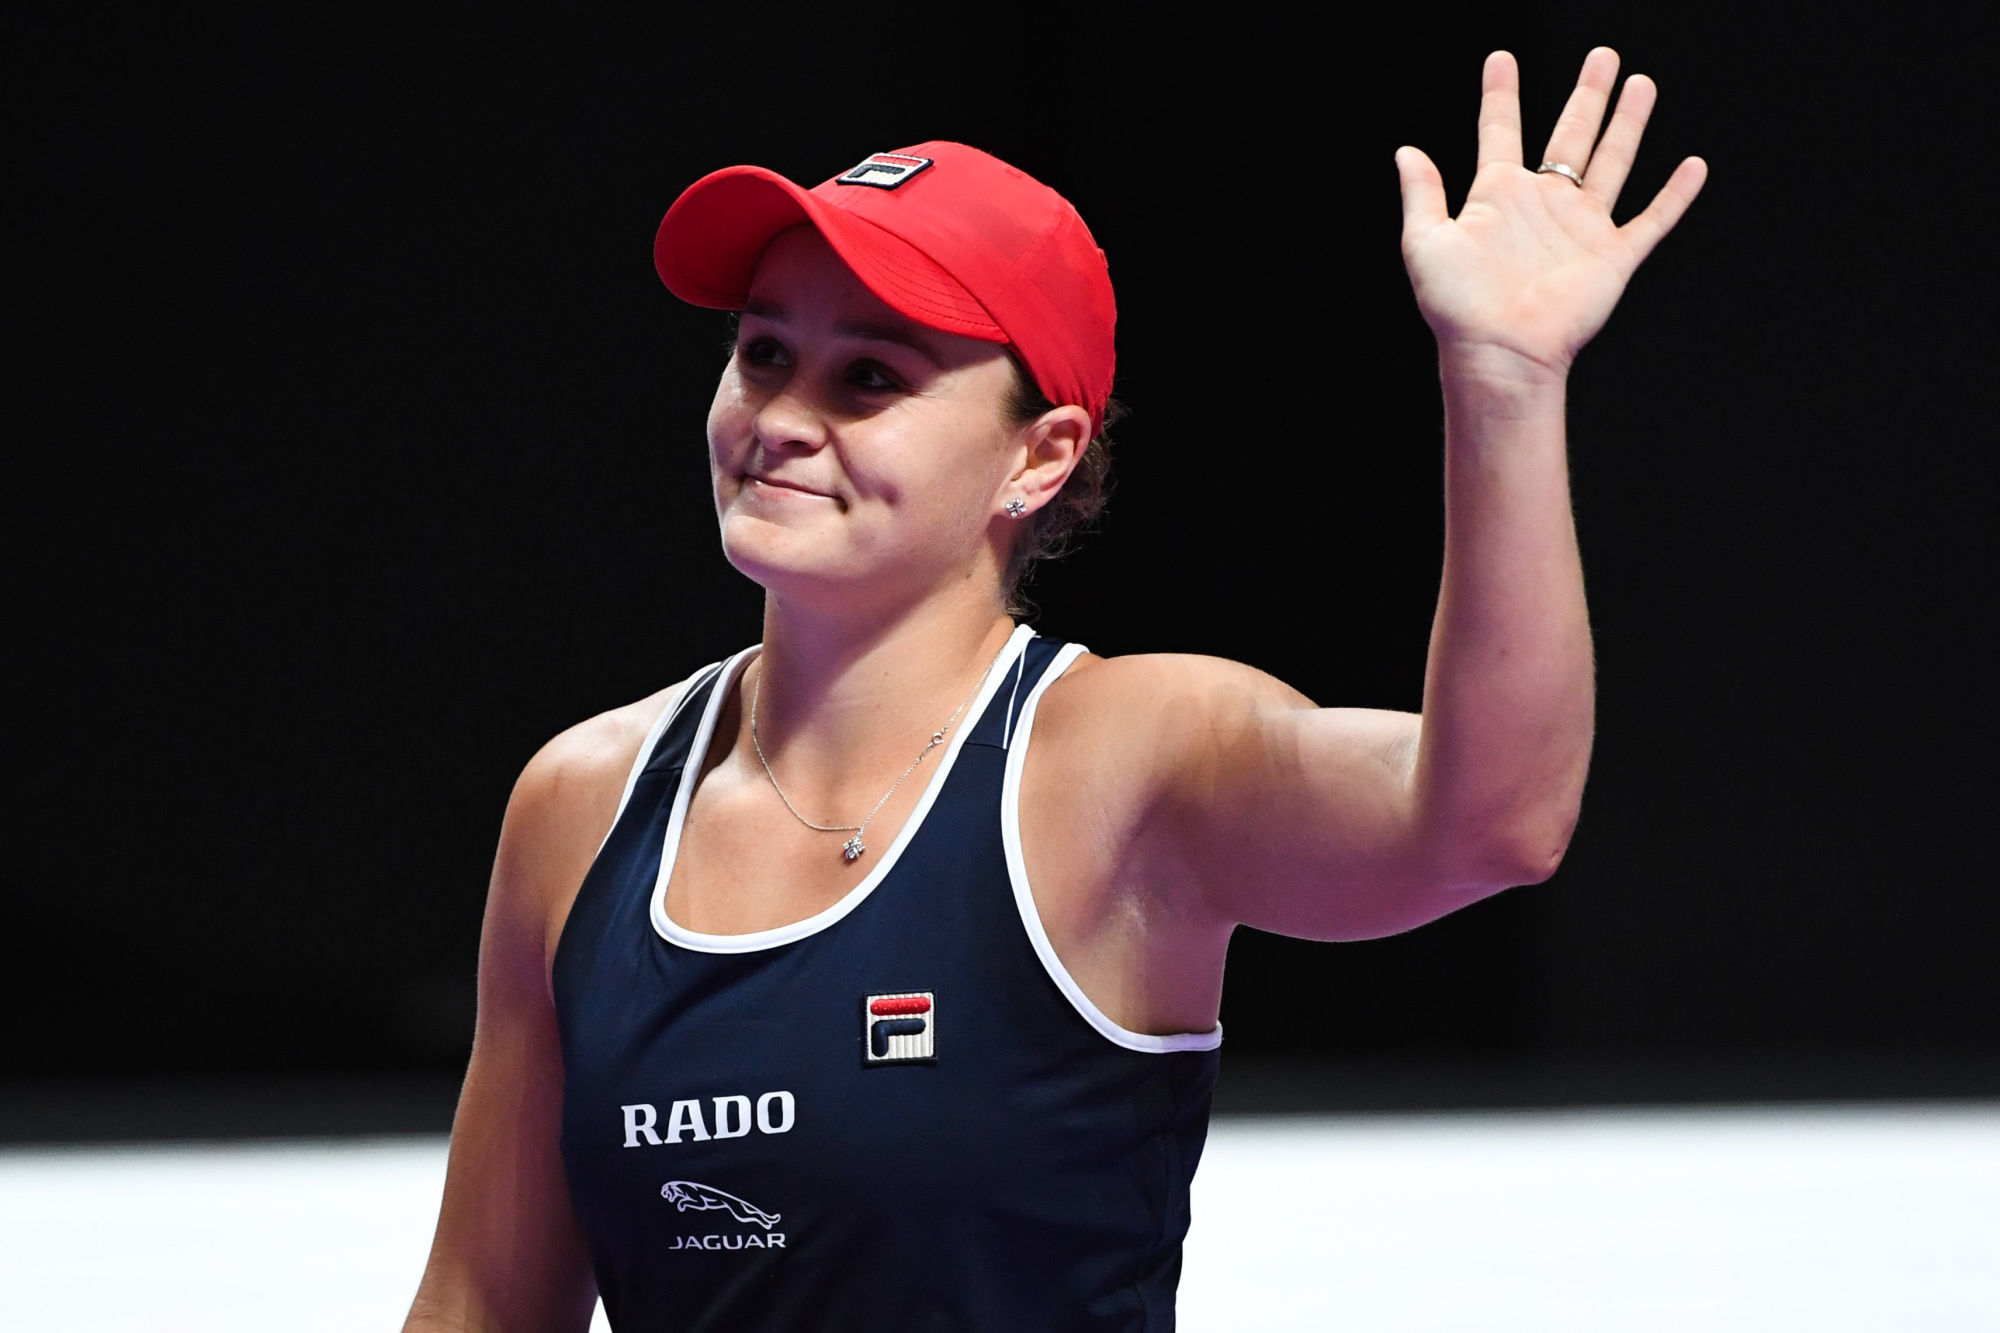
<point>884,171</point>
<point>900,1027</point>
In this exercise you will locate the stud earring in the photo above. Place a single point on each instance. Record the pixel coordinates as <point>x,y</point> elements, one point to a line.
<point>1016,507</point>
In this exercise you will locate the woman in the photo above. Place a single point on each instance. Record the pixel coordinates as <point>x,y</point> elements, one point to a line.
<point>869,979</point>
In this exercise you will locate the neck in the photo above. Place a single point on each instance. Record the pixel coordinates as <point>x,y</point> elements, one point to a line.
<point>843,698</point>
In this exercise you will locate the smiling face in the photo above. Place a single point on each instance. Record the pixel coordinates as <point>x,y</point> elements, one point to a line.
<point>852,449</point>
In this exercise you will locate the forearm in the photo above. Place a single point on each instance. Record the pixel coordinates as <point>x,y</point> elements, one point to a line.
<point>1508,690</point>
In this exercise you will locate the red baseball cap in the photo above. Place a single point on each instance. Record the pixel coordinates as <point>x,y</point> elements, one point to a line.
<point>948,236</point>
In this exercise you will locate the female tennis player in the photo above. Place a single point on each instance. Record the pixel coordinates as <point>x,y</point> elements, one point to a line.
<point>869,979</point>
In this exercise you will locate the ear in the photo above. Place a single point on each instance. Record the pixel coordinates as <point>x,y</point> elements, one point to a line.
<point>1049,447</point>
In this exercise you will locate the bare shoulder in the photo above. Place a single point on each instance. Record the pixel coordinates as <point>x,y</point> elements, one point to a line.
<point>1211,764</point>
<point>1202,719</point>
<point>1139,730</point>
<point>1154,703</point>
<point>1186,678</point>
<point>576,764</point>
<point>562,806</point>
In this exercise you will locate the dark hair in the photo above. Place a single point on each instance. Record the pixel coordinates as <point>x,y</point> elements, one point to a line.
<point>1057,524</point>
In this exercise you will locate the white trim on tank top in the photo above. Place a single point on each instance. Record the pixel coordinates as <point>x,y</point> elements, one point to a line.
<point>755,940</point>
<point>646,747</point>
<point>1024,897</point>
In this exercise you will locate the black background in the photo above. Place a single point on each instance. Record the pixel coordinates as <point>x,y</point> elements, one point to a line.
<point>363,452</point>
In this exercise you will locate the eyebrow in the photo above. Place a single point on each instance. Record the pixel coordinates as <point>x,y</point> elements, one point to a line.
<point>866,330</point>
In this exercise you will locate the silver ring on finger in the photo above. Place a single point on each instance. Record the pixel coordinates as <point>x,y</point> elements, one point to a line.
<point>1564,170</point>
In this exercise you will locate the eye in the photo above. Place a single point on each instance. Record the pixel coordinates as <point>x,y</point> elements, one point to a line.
<point>760,351</point>
<point>873,377</point>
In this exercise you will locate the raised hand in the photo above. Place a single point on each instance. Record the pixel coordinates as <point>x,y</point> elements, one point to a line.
<point>1533,264</point>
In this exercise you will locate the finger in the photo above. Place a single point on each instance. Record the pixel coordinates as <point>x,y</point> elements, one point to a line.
<point>1583,115</point>
<point>1645,231</point>
<point>1424,204</point>
<point>1612,162</point>
<point>1500,110</point>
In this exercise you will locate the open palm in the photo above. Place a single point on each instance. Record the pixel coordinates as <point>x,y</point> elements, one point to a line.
<point>1533,264</point>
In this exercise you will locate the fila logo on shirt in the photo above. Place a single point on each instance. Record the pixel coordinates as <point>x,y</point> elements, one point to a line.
<point>899,1027</point>
<point>775,1113</point>
<point>884,171</point>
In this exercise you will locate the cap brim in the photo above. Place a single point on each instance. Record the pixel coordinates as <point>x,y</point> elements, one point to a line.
<point>709,243</point>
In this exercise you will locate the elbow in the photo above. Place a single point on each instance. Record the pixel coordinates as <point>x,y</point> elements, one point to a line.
<point>1534,868</point>
<point>1512,853</point>
<point>1533,850</point>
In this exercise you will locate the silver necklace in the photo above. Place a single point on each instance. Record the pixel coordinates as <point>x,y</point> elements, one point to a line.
<point>852,849</point>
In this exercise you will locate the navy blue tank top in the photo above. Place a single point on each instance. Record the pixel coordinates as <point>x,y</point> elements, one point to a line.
<point>900,1115</point>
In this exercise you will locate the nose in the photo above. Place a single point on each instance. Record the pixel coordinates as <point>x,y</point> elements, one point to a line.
<point>789,420</point>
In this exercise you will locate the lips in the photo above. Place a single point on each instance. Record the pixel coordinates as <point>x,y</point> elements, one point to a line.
<point>785,484</point>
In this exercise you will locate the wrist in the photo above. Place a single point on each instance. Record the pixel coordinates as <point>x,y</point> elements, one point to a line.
<point>1492,369</point>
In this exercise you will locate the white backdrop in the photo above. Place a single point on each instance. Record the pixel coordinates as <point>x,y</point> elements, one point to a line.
<point>1829,1220</point>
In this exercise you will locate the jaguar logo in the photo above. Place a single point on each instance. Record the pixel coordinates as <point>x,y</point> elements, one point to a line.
<point>687,1196</point>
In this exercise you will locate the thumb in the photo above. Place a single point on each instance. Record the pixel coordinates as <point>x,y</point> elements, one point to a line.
<point>1423,193</point>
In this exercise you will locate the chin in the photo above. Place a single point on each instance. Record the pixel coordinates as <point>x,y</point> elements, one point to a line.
<point>780,558</point>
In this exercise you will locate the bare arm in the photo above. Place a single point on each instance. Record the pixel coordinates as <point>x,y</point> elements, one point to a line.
<point>1347,823</point>
<point>508,1254</point>
<point>1513,288</point>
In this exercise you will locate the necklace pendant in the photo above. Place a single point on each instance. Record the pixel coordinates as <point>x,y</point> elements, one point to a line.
<point>851,850</point>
